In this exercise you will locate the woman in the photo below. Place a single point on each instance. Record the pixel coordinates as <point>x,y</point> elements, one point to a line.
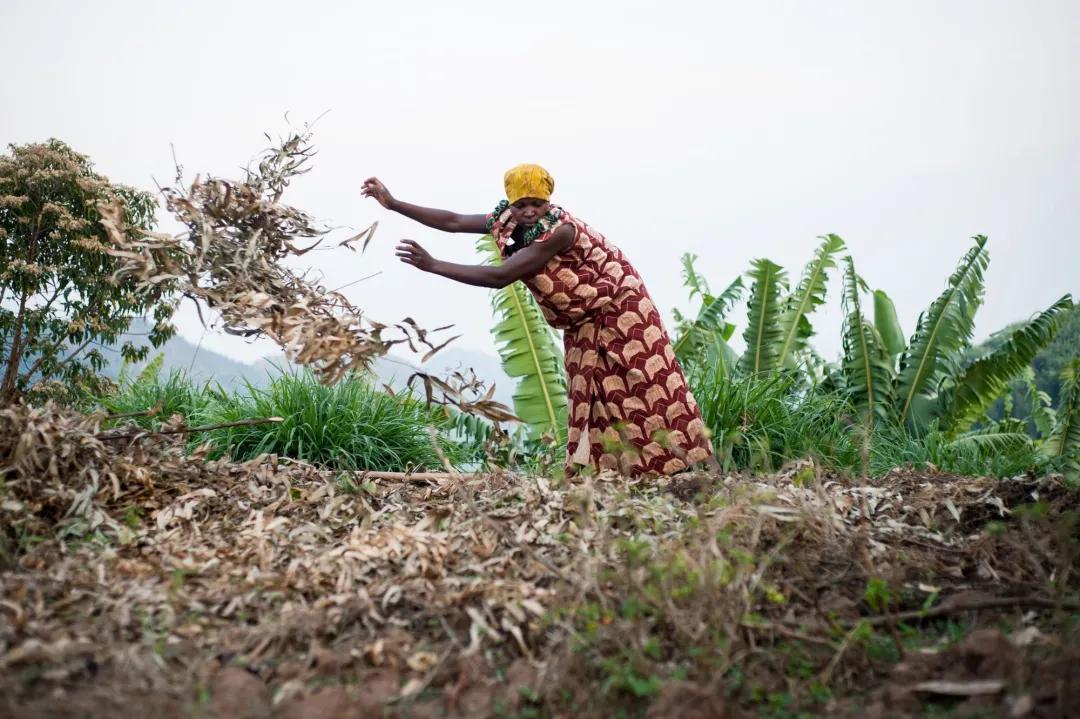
<point>629,406</point>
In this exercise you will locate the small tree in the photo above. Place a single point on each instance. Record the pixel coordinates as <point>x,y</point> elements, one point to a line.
<point>59,304</point>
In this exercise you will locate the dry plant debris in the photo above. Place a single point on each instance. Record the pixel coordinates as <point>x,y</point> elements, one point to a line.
<point>231,258</point>
<point>140,575</point>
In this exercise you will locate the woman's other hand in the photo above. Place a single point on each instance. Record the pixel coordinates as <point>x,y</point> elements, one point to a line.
<point>373,187</point>
<point>413,254</point>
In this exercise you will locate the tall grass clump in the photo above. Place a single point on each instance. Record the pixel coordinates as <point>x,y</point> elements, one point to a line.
<point>758,422</point>
<point>988,454</point>
<point>147,400</point>
<point>349,425</point>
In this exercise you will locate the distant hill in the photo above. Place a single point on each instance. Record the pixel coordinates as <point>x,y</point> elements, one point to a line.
<point>204,364</point>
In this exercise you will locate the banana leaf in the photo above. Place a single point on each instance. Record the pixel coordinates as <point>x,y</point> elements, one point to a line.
<point>808,295</point>
<point>943,332</point>
<point>986,379</point>
<point>1064,443</point>
<point>530,353</point>
<point>763,332</point>
<point>709,326</point>
<point>989,443</point>
<point>867,367</point>
<point>887,324</point>
<point>1040,404</point>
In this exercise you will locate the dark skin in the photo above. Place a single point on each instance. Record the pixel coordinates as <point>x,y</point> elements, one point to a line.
<point>521,265</point>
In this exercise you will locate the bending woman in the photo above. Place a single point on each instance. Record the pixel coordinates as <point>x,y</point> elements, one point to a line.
<point>629,406</point>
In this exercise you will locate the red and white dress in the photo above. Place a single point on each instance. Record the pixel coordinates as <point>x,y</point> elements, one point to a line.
<point>629,407</point>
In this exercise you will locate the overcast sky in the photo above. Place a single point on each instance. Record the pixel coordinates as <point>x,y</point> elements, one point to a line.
<point>731,130</point>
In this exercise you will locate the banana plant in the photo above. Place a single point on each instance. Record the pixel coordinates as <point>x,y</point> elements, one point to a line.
<point>795,326</point>
<point>706,335</point>
<point>966,398</point>
<point>867,365</point>
<point>1064,444</point>
<point>942,333</point>
<point>1040,405</point>
<point>530,353</point>
<point>932,384</point>
<point>778,329</point>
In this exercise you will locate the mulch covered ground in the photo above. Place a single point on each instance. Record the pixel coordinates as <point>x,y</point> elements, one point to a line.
<point>137,578</point>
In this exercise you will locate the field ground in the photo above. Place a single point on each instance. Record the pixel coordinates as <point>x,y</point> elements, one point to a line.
<point>188,588</point>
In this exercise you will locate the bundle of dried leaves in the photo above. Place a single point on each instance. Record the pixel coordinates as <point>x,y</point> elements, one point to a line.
<point>231,258</point>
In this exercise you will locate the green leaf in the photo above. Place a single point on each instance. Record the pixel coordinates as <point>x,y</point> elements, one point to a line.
<point>808,295</point>
<point>943,332</point>
<point>887,325</point>
<point>989,443</point>
<point>152,369</point>
<point>763,332</point>
<point>986,379</point>
<point>530,353</point>
<point>720,355</point>
<point>692,280</point>
<point>867,367</point>
<point>1040,403</point>
<point>1064,443</point>
<point>709,325</point>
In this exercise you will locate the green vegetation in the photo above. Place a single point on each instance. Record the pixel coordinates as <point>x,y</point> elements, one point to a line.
<point>888,401</point>
<point>530,352</point>
<point>348,426</point>
<point>1045,372</point>
<point>1008,406</point>
<point>774,595</point>
<point>59,304</point>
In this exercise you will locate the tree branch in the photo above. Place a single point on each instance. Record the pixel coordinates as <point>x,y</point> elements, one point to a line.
<point>63,363</point>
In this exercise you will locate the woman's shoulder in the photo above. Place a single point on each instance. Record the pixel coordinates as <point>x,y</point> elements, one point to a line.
<point>498,217</point>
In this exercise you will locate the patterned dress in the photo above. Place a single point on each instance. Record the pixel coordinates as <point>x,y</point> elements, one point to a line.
<point>629,405</point>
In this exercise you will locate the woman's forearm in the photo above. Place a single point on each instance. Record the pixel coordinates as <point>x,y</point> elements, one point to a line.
<point>438,219</point>
<point>494,277</point>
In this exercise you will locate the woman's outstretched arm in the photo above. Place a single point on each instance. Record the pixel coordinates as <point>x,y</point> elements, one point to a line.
<point>439,219</point>
<point>521,265</point>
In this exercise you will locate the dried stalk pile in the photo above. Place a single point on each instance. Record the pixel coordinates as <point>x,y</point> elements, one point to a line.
<point>418,593</point>
<point>60,474</point>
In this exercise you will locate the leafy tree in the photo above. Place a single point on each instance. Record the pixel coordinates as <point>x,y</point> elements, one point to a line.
<point>59,304</point>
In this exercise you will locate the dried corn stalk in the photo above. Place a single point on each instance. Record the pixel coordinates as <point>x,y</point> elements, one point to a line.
<point>230,258</point>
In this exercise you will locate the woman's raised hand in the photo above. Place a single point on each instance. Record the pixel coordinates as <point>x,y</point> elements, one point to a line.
<point>409,252</point>
<point>374,188</point>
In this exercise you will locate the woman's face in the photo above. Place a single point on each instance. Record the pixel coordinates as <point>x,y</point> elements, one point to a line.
<point>528,210</point>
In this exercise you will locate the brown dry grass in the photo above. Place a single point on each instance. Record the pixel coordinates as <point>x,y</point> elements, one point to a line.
<point>137,576</point>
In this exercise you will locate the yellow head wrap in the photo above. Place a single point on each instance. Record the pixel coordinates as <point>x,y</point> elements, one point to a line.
<point>528,181</point>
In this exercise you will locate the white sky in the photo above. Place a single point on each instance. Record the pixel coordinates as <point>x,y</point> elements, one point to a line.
<point>731,130</point>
